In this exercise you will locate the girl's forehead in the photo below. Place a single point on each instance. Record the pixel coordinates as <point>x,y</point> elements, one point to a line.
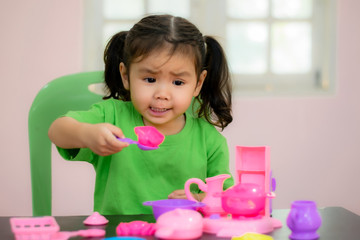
<point>162,56</point>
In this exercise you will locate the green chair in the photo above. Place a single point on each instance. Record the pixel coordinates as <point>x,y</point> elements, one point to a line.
<point>53,100</point>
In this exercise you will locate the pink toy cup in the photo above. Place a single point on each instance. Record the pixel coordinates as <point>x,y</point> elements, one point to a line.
<point>303,220</point>
<point>213,185</point>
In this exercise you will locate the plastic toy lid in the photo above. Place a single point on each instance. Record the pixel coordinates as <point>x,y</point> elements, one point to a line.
<point>95,219</point>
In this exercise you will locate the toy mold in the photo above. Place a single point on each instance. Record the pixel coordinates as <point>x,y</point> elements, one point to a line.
<point>135,228</point>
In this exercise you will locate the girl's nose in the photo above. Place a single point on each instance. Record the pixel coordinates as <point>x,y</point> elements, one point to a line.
<point>162,92</point>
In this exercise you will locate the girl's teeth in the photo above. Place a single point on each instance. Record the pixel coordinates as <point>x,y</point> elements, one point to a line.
<point>158,109</point>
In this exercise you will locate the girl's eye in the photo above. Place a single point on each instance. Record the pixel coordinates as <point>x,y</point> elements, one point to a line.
<point>150,80</point>
<point>178,82</point>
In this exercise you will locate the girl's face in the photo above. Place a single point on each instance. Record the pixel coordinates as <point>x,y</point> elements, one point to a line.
<point>161,88</point>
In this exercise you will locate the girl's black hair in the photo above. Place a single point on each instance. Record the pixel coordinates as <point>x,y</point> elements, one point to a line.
<point>157,31</point>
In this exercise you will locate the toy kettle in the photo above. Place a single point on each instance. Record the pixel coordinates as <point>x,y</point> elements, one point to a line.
<point>213,185</point>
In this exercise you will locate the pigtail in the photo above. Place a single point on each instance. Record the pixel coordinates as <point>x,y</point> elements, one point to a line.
<point>215,95</point>
<point>113,55</point>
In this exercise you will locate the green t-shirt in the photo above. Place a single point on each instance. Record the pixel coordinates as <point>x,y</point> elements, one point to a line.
<point>130,177</point>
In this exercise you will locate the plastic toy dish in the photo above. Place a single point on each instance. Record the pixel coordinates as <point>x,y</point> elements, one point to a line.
<point>95,219</point>
<point>36,227</point>
<point>47,228</point>
<point>162,206</point>
<point>179,224</point>
<point>252,236</point>
<point>149,138</point>
<point>134,228</point>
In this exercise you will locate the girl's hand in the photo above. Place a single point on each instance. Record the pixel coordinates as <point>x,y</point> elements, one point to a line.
<point>180,194</point>
<point>101,138</point>
<point>67,132</point>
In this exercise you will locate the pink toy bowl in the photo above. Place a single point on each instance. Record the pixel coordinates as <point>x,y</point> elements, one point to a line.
<point>179,224</point>
<point>135,228</point>
<point>244,199</point>
<point>161,206</point>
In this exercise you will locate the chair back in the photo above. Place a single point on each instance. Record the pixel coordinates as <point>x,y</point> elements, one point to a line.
<point>59,96</point>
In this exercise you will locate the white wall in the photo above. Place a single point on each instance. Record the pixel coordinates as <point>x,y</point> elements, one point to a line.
<point>313,140</point>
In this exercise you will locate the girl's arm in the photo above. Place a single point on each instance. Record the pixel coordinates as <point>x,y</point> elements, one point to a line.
<point>180,194</point>
<point>66,132</point>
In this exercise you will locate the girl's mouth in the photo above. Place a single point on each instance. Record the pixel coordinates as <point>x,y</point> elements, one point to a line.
<point>158,110</point>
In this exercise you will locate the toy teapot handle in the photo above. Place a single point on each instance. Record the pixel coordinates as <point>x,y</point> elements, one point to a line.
<point>203,187</point>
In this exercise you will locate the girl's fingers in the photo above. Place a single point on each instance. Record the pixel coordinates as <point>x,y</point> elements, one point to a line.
<point>177,194</point>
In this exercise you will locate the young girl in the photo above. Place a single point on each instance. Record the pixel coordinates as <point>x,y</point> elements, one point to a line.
<point>153,73</point>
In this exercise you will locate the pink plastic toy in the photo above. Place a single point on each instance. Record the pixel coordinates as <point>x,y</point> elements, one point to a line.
<point>250,212</point>
<point>179,224</point>
<point>149,138</point>
<point>34,228</point>
<point>46,228</point>
<point>213,185</point>
<point>244,199</point>
<point>95,219</point>
<point>88,233</point>
<point>161,206</point>
<point>304,220</point>
<point>134,228</point>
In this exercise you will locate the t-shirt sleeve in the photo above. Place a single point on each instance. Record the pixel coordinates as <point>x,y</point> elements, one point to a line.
<point>218,161</point>
<point>94,115</point>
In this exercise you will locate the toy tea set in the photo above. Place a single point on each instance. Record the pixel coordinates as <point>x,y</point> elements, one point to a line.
<point>241,212</point>
<point>244,207</point>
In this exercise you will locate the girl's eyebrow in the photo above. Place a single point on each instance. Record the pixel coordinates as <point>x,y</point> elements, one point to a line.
<point>177,74</point>
<point>147,70</point>
<point>181,74</point>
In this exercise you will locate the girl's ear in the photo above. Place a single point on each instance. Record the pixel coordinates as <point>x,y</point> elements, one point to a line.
<point>124,76</point>
<point>200,83</point>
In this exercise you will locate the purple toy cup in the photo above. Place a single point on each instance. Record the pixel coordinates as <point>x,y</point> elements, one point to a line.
<point>303,220</point>
<point>161,206</point>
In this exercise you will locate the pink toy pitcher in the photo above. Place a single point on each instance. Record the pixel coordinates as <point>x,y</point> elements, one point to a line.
<point>213,185</point>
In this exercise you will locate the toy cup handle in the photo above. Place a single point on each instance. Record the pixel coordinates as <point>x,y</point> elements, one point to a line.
<point>199,182</point>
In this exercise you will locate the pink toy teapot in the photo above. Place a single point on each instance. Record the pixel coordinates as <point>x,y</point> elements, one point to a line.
<point>244,199</point>
<point>213,185</point>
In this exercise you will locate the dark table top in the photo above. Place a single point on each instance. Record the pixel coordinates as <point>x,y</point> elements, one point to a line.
<point>337,223</point>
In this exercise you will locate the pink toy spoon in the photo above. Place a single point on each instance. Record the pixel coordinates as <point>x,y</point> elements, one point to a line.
<point>88,233</point>
<point>149,138</point>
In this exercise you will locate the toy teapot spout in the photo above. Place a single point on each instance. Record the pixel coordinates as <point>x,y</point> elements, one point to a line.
<point>213,185</point>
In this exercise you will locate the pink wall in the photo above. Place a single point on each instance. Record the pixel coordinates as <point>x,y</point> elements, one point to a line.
<point>313,140</point>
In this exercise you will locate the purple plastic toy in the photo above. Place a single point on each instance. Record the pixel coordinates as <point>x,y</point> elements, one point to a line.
<point>303,220</point>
